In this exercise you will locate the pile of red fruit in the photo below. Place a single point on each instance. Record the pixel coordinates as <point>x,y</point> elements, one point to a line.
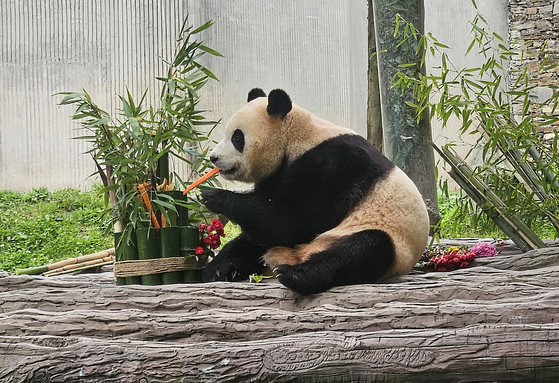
<point>452,260</point>
<point>210,236</point>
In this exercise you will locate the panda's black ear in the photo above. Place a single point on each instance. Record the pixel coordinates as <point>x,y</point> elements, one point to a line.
<point>255,93</point>
<point>279,103</point>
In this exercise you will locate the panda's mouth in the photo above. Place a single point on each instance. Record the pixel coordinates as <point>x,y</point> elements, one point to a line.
<point>228,173</point>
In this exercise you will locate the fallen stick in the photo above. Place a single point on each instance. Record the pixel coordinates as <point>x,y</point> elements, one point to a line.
<point>65,262</point>
<point>82,268</point>
<point>205,177</point>
<point>75,266</point>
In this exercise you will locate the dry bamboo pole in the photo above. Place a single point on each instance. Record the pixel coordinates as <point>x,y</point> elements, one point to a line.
<point>75,266</point>
<point>526,172</point>
<point>66,262</point>
<point>84,267</point>
<point>490,203</point>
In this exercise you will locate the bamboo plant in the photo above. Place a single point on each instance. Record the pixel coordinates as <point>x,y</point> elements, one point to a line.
<point>132,152</point>
<point>519,165</point>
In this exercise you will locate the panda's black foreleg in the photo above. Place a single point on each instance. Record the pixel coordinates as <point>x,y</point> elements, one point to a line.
<point>236,261</point>
<point>363,257</point>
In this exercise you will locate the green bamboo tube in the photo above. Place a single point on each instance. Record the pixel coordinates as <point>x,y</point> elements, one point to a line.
<point>162,171</point>
<point>130,253</point>
<point>119,256</point>
<point>169,247</point>
<point>148,249</point>
<point>189,241</point>
<point>180,217</point>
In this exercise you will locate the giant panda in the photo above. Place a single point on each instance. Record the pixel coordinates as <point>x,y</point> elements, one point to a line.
<point>327,208</point>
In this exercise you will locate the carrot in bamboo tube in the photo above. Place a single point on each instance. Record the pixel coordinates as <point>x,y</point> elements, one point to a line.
<point>143,192</point>
<point>205,177</point>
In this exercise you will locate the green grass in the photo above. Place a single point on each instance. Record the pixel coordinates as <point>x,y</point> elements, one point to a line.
<point>41,227</point>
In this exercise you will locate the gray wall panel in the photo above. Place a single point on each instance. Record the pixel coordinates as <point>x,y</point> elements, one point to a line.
<point>316,50</point>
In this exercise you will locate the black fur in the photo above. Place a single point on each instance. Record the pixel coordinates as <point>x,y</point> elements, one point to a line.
<point>301,199</point>
<point>362,257</point>
<point>279,103</point>
<point>238,140</point>
<point>236,261</point>
<point>255,93</point>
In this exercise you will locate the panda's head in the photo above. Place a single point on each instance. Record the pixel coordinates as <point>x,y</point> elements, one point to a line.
<point>255,141</point>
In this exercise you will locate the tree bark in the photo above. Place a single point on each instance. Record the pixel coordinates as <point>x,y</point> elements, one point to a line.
<point>374,113</point>
<point>494,321</point>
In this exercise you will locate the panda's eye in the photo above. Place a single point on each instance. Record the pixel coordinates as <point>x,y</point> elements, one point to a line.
<point>238,140</point>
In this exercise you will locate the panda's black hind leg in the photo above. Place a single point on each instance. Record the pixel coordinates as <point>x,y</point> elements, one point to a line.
<point>363,257</point>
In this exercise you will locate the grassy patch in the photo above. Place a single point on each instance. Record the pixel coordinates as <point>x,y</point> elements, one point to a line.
<point>461,218</point>
<point>41,227</point>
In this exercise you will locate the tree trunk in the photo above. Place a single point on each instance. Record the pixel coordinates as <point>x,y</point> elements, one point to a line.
<point>494,321</point>
<point>374,113</point>
<point>406,141</point>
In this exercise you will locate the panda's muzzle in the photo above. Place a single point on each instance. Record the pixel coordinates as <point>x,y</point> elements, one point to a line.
<point>214,159</point>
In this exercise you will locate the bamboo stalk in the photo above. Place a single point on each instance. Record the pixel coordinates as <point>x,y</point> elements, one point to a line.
<point>489,202</point>
<point>526,173</point>
<point>83,268</point>
<point>533,240</point>
<point>65,262</point>
<point>79,265</point>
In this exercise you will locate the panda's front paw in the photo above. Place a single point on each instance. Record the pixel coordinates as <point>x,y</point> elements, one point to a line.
<point>222,269</point>
<point>216,200</point>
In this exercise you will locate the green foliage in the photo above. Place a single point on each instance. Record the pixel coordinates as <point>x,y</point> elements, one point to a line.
<point>41,227</point>
<point>135,149</point>
<point>232,230</point>
<point>518,164</point>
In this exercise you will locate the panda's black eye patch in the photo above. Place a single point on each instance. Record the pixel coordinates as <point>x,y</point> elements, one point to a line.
<point>238,140</point>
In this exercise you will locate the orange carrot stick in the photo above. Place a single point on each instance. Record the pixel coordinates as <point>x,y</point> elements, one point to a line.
<point>145,197</point>
<point>205,177</point>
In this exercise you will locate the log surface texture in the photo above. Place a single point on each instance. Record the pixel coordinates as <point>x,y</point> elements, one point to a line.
<point>495,321</point>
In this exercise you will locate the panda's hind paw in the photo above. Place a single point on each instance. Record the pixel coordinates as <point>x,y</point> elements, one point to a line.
<point>297,278</point>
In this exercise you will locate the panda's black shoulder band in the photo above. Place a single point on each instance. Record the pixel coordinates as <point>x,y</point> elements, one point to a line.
<point>279,103</point>
<point>255,93</point>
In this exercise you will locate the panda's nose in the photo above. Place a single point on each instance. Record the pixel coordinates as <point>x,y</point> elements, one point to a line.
<point>214,158</point>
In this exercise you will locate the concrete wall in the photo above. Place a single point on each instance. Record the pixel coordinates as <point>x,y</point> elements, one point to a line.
<point>315,50</point>
<point>449,22</point>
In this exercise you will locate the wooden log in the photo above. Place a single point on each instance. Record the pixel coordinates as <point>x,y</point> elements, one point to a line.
<point>500,352</point>
<point>496,321</point>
